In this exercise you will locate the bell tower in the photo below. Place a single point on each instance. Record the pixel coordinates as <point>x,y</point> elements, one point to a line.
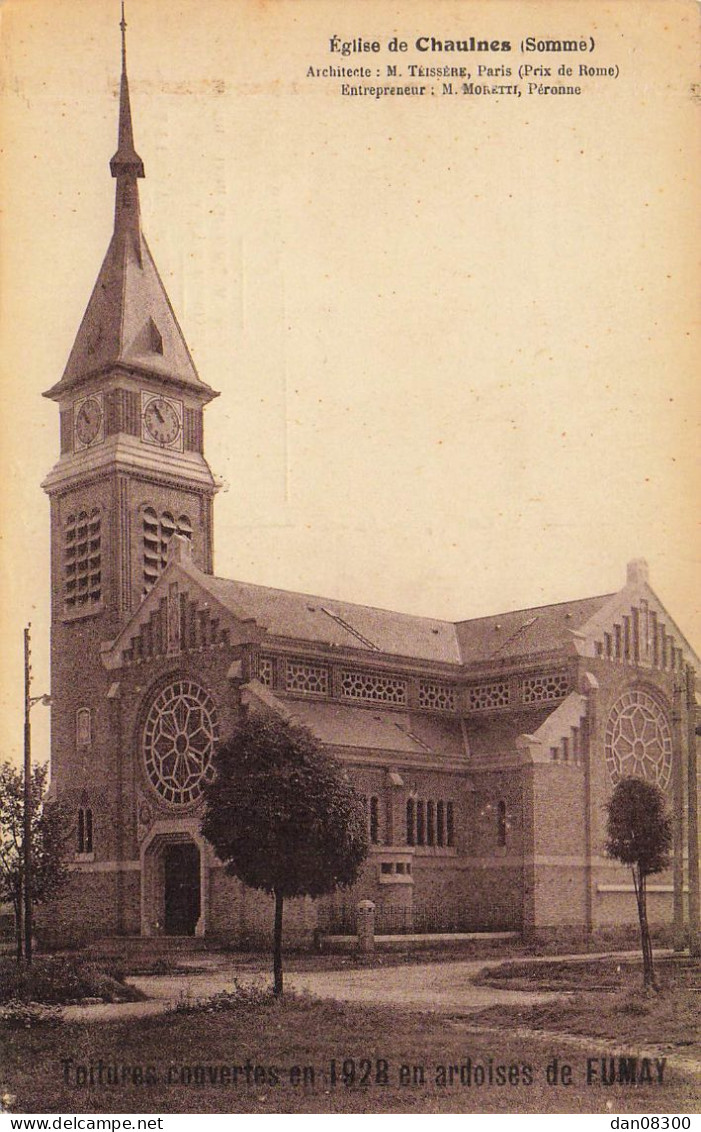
<point>131,471</point>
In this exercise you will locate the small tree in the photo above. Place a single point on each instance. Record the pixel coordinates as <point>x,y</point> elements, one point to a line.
<point>639,834</point>
<point>47,843</point>
<point>283,816</point>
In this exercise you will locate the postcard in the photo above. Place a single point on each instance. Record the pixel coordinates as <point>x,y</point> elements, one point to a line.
<point>349,552</point>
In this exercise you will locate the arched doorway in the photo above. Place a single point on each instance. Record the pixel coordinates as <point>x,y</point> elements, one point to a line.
<point>174,879</point>
<point>181,888</point>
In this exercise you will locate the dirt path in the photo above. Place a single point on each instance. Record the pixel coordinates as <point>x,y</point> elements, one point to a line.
<point>437,987</point>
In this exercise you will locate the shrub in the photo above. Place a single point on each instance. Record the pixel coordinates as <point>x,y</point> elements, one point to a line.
<point>239,997</point>
<point>60,981</point>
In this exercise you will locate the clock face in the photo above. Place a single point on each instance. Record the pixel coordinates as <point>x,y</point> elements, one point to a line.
<point>162,421</point>
<point>88,421</point>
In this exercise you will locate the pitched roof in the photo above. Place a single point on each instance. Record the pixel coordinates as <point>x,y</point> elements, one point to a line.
<point>524,632</point>
<point>340,725</point>
<point>303,617</point>
<point>497,734</point>
<point>363,728</point>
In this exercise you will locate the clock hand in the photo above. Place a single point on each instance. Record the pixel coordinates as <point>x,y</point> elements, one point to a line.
<point>158,414</point>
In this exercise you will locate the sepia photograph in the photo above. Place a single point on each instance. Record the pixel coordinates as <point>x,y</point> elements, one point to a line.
<point>349,559</point>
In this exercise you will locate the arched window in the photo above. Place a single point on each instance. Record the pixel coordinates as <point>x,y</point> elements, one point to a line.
<point>440,823</point>
<point>450,823</point>
<point>638,739</point>
<point>374,821</point>
<point>179,738</point>
<point>83,727</point>
<point>420,823</point>
<point>430,823</point>
<point>410,822</point>
<point>85,839</point>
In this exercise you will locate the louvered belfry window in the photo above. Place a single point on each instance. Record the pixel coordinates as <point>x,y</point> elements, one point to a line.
<point>82,560</point>
<point>158,530</point>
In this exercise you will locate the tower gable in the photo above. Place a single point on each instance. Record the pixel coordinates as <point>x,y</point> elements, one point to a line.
<point>179,615</point>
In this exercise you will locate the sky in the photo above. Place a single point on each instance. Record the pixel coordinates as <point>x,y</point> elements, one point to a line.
<point>453,335</point>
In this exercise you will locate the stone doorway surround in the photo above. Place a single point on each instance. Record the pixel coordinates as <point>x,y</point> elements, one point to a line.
<point>153,849</point>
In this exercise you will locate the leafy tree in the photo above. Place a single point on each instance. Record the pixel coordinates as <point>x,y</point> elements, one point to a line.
<point>639,834</point>
<point>48,842</point>
<point>283,816</point>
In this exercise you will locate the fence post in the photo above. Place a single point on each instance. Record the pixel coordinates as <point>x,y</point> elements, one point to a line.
<point>366,926</point>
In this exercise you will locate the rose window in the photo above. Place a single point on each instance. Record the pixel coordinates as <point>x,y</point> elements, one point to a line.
<point>638,740</point>
<point>179,739</point>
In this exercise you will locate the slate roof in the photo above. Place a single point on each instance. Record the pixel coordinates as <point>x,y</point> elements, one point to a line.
<point>340,725</point>
<point>129,322</point>
<point>304,617</point>
<point>497,734</point>
<point>525,631</point>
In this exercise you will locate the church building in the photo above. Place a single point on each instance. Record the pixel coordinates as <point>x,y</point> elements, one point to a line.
<point>486,749</point>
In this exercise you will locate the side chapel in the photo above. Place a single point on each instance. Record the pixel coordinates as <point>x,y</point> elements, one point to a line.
<point>486,749</point>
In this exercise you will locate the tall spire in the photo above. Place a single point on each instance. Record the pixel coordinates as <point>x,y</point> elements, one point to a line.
<point>129,321</point>
<point>126,165</point>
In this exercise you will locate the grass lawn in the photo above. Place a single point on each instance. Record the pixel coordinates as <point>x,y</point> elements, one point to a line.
<point>471,949</point>
<point>607,1001</point>
<point>598,975</point>
<point>243,1060</point>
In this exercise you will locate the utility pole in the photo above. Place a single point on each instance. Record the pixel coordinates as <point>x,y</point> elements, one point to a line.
<point>27,798</point>
<point>29,702</point>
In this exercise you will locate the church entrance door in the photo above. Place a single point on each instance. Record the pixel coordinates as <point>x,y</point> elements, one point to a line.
<point>182,888</point>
